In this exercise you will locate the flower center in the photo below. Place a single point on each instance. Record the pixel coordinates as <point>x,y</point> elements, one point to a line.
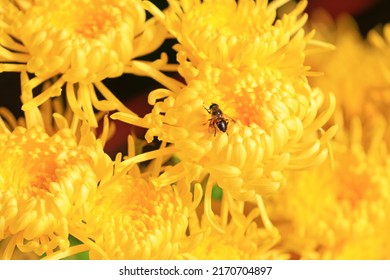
<point>356,184</point>
<point>42,173</point>
<point>263,100</point>
<point>249,106</point>
<point>46,183</point>
<point>354,188</point>
<point>87,40</point>
<point>240,35</point>
<point>95,23</point>
<point>228,18</point>
<point>29,162</point>
<point>86,17</point>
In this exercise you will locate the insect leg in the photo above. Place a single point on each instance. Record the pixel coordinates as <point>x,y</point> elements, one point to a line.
<point>209,120</point>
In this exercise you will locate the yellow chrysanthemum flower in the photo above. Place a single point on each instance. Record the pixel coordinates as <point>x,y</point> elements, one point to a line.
<point>243,238</point>
<point>381,40</point>
<point>236,243</point>
<point>355,71</point>
<point>49,174</point>
<point>263,140</point>
<point>47,186</point>
<point>272,117</point>
<point>340,213</point>
<point>234,36</point>
<point>18,255</point>
<point>380,92</point>
<point>46,183</point>
<point>78,43</point>
<point>134,220</point>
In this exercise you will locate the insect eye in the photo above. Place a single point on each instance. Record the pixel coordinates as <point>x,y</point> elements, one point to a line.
<point>213,106</point>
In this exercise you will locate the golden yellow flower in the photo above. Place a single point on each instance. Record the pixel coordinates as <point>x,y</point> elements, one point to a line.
<point>278,129</point>
<point>234,36</point>
<point>379,94</point>
<point>247,233</point>
<point>47,185</point>
<point>18,255</point>
<point>273,119</point>
<point>134,220</point>
<point>77,43</point>
<point>49,174</point>
<point>340,213</point>
<point>356,72</point>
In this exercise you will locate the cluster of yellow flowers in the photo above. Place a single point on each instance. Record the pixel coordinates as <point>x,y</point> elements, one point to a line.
<point>258,157</point>
<point>341,210</point>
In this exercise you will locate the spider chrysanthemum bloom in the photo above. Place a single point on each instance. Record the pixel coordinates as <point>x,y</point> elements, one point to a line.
<point>275,125</point>
<point>340,213</point>
<point>245,236</point>
<point>273,118</point>
<point>234,36</point>
<point>49,174</point>
<point>47,186</point>
<point>356,72</point>
<point>134,220</point>
<point>275,113</point>
<point>380,91</point>
<point>38,193</point>
<point>380,39</point>
<point>248,242</point>
<point>79,43</point>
